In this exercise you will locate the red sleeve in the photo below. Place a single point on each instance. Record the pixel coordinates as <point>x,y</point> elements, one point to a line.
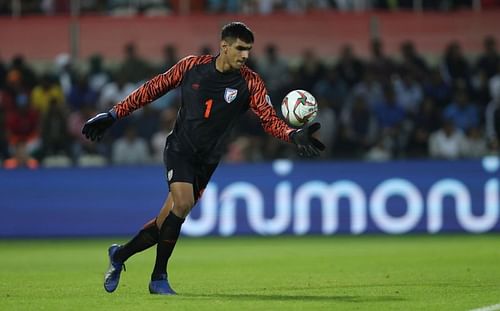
<point>260,103</point>
<point>158,86</point>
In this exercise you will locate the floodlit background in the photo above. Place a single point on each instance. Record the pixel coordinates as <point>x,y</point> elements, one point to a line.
<point>401,212</point>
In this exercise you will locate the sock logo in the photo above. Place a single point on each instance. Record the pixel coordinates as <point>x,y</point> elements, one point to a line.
<point>170,174</point>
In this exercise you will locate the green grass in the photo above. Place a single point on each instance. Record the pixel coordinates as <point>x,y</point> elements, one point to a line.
<point>459,272</point>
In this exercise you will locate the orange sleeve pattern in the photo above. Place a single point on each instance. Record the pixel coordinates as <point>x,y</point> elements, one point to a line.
<point>158,86</point>
<point>260,104</point>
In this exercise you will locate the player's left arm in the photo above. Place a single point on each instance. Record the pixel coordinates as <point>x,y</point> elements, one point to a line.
<point>260,103</point>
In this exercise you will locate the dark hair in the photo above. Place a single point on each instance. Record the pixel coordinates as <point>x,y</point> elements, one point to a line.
<point>237,30</point>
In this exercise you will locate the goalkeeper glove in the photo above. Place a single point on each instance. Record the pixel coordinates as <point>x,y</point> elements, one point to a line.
<point>95,128</point>
<point>307,145</point>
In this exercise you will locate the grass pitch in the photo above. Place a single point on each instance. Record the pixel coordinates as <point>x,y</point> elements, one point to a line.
<point>456,272</point>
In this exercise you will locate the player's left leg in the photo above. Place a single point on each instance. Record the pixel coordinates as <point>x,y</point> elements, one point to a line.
<point>143,240</point>
<point>182,195</point>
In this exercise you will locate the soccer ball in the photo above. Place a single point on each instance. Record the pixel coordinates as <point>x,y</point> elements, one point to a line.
<point>299,108</point>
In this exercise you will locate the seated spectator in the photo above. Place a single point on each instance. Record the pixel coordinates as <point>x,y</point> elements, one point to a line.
<point>349,66</point>
<point>447,142</point>
<point>475,145</point>
<point>21,158</point>
<point>369,89</point>
<point>45,93</point>
<point>408,92</point>
<point>489,60</point>
<point>114,92</point>
<point>358,130</point>
<point>81,94</point>
<point>426,121</point>
<point>23,124</point>
<point>130,149</point>
<point>437,89</point>
<point>98,77</point>
<point>134,68</point>
<point>167,121</point>
<point>462,112</point>
<point>55,136</point>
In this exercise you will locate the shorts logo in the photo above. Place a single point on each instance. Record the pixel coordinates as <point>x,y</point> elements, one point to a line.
<point>170,174</point>
<point>230,94</point>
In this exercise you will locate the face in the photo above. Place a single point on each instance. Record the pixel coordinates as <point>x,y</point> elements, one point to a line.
<point>236,53</point>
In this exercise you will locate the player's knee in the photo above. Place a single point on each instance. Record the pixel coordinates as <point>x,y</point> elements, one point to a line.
<point>183,207</point>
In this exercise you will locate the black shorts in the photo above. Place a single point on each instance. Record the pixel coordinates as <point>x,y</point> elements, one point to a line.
<point>182,168</point>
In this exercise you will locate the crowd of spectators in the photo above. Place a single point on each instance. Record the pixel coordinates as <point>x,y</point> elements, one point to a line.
<point>167,7</point>
<point>377,108</point>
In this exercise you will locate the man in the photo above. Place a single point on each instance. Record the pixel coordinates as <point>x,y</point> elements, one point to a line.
<point>215,92</point>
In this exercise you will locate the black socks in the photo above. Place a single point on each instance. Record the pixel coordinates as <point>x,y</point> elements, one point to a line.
<point>169,233</point>
<point>146,238</point>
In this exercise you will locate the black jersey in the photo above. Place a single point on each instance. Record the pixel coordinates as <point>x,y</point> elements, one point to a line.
<point>211,104</point>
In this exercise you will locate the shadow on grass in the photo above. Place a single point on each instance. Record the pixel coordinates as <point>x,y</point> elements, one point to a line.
<point>302,298</point>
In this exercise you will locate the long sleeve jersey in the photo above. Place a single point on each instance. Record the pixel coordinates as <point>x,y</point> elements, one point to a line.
<point>212,103</point>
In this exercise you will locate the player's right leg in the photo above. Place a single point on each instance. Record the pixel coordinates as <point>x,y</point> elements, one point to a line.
<point>143,240</point>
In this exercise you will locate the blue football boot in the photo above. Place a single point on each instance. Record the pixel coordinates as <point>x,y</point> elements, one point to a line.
<point>161,286</point>
<point>112,276</point>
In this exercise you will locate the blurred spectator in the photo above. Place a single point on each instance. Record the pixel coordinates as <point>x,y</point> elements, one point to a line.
<point>54,131</point>
<point>21,158</point>
<point>130,149</point>
<point>331,91</point>
<point>328,132</point>
<point>81,94</point>
<point>311,70</point>
<point>380,63</point>
<point>113,92</point>
<point>436,88</point>
<point>98,77</point>
<point>27,75</point>
<point>426,121</point>
<point>4,145</point>
<point>358,130</point>
<point>489,60</point>
<point>45,93</point>
<point>65,72</point>
<point>412,61</point>
<point>462,112</point>
<point>158,141</point>
<point>454,67</point>
<point>274,70</point>
<point>408,92</point>
<point>146,122</point>
<point>492,116</point>
<point>447,142</point>
<point>170,58</point>
<point>389,112</point>
<point>370,89</point>
<point>475,145</point>
<point>133,68</point>
<point>3,74</point>
<point>349,67</point>
<point>22,124</point>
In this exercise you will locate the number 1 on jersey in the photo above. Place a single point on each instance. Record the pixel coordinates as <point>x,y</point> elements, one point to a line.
<point>208,103</point>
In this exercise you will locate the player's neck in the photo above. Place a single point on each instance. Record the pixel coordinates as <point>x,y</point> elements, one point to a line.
<point>221,65</point>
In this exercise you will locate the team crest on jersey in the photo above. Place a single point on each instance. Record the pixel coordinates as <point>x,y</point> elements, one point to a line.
<point>170,174</point>
<point>230,94</point>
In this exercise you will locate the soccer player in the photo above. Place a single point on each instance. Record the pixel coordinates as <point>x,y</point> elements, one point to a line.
<point>216,90</point>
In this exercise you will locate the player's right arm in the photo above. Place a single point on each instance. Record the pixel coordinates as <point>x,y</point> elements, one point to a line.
<point>158,86</point>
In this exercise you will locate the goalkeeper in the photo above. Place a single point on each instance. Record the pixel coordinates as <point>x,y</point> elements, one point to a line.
<point>216,90</point>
